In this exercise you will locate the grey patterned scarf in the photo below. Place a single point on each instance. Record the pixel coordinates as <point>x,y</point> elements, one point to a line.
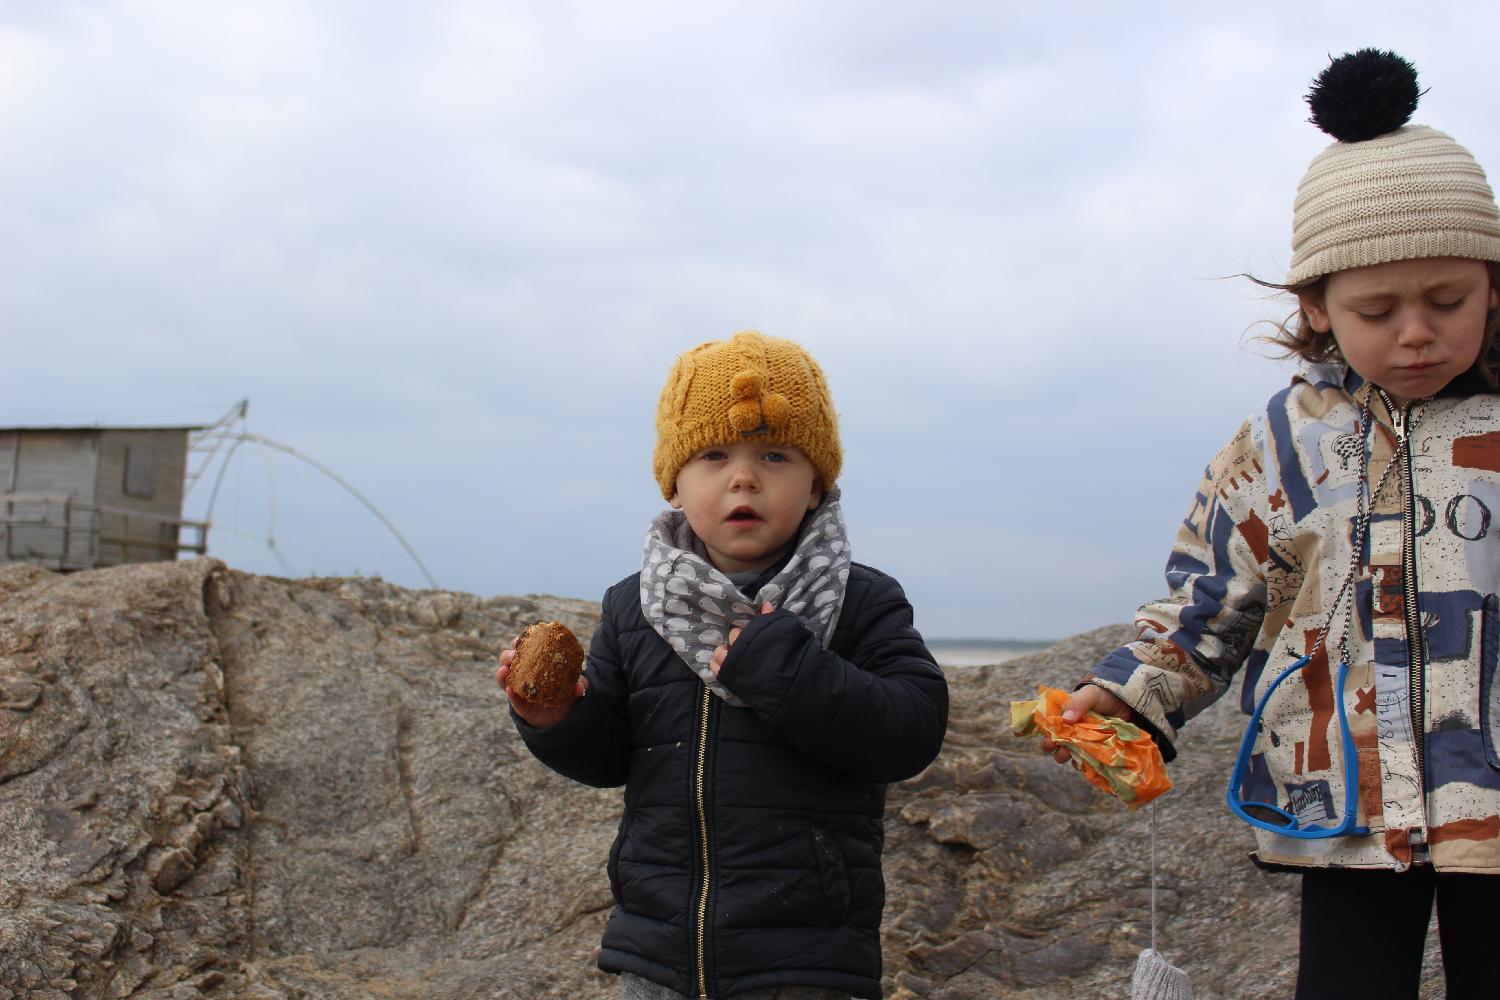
<point>693,606</point>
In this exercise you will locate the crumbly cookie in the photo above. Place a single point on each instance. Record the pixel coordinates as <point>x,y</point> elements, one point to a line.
<point>548,660</point>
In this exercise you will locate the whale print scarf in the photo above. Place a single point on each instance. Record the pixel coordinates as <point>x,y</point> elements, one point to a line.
<point>693,606</point>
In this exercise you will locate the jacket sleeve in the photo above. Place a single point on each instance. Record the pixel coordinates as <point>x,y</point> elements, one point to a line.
<point>592,744</point>
<point>880,714</point>
<point>1191,643</point>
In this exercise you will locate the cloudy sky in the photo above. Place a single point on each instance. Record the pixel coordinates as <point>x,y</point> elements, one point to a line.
<point>449,250</point>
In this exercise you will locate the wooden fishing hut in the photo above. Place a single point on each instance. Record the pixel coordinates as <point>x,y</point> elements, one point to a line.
<point>84,497</point>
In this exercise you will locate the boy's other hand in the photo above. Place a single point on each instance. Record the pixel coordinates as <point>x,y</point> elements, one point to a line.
<point>536,716</point>
<point>717,660</point>
<point>1089,698</point>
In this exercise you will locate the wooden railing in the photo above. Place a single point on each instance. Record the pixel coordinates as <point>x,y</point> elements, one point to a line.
<point>59,532</point>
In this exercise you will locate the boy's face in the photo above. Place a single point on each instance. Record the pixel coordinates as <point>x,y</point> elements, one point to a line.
<point>1410,326</point>
<point>746,500</point>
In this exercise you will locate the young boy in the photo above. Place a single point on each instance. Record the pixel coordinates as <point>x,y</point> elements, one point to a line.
<point>754,691</point>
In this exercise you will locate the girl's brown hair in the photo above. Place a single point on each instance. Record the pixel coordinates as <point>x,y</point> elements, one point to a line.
<point>1294,336</point>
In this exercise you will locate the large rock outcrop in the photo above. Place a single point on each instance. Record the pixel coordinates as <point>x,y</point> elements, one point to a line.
<point>220,785</point>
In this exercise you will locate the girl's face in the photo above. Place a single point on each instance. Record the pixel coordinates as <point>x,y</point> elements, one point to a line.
<point>1410,326</point>
<point>745,501</point>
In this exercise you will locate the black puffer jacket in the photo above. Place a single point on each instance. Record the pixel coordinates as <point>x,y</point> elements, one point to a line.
<point>748,854</point>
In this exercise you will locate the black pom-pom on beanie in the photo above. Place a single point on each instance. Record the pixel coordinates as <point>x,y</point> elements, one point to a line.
<point>1364,94</point>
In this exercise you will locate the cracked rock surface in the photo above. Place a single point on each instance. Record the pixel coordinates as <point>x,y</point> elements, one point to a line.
<point>221,785</point>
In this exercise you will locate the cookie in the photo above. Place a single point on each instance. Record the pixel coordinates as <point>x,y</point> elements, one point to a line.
<point>548,660</point>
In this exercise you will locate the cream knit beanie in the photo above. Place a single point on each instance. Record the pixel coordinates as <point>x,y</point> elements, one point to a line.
<point>1384,190</point>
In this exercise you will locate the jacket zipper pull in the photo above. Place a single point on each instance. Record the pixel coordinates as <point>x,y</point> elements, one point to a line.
<point>1398,413</point>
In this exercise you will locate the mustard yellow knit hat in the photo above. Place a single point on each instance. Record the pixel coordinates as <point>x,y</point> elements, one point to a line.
<point>1385,190</point>
<point>749,386</point>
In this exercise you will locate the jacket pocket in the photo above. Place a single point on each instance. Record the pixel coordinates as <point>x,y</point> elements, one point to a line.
<point>1489,690</point>
<point>833,874</point>
<point>613,867</point>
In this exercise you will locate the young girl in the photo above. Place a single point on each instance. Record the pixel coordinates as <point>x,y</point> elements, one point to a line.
<point>1344,549</point>
<point>754,690</point>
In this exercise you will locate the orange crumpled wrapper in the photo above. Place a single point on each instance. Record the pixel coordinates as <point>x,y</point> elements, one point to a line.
<point>1114,755</point>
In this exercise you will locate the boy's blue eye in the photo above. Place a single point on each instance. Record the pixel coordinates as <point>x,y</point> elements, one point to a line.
<point>776,456</point>
<point>712,455</point>
<point>1449,306</point>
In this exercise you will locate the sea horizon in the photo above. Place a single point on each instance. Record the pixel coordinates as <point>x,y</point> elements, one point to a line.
<point>974,652</point>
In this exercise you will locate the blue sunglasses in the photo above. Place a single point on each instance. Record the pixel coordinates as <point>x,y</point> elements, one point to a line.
<point>1267,816</point>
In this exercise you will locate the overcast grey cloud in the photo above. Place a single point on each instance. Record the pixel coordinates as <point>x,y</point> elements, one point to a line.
<point>450,249</point>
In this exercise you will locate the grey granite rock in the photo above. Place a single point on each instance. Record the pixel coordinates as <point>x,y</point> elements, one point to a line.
<point>221,785</point>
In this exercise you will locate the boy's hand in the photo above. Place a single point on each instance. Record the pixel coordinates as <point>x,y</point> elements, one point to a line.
<point>536,716</point>
<point>1088,698</point>
<point>717,660</point>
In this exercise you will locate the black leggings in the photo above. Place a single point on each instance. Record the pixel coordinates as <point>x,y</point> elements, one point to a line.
<point>1363,933</point>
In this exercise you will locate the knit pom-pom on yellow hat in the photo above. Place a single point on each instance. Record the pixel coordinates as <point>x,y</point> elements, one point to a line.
<point>749,386</point>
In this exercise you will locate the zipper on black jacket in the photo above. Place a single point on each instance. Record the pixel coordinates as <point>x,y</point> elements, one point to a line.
<point>1415,654</point>
<point>700,795</point>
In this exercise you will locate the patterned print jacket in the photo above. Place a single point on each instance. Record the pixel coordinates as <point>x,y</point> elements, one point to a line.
<point>1257,565</point>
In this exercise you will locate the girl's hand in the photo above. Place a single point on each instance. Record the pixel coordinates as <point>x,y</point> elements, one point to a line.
<point>716,661</point>
<point>536,716</point>
<point>1088,698</point>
